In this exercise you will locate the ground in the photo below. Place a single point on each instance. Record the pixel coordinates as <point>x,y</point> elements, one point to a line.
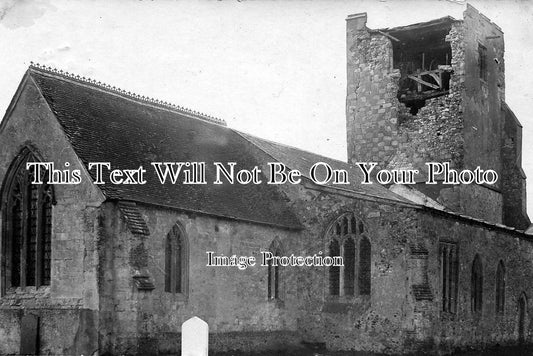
<point>499,351</point>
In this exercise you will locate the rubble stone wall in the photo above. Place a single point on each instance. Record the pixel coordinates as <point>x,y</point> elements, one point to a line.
<point>465,328</point>
<point>68,308</point>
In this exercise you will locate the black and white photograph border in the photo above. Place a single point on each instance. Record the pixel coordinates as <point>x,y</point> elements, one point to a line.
<point>265,177</point>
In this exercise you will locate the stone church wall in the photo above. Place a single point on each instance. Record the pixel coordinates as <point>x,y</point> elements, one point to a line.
<point>364,322</point>
<point>233,302</point>
<point>465,328</point>
<point>68,308</point>
<point>396,318</point>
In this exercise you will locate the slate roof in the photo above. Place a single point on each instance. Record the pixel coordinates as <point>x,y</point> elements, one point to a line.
<point>301,160</point>
<point>105,124</point>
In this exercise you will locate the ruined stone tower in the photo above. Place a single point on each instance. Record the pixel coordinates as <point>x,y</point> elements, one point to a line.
<point>434,92</point>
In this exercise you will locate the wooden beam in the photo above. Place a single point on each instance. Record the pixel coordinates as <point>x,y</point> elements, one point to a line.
<point>423,82</point>
<point>389,36</point>
<point>437,79</point>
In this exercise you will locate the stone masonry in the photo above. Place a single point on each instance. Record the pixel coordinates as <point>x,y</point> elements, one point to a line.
<point>459,126</point>
<point>446,271</point>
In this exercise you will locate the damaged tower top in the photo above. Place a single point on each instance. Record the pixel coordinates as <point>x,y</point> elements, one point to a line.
<point>423,56</point>
<point>435,92</point>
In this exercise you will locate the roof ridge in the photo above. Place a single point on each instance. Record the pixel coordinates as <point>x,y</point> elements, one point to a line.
<point>119,91</point>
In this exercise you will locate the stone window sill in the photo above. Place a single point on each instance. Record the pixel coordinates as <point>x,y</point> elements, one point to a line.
<point>477,316</point>
<point>278,303</point>
<point>344,304</point>
<point>444,315</point>
<point>177,297</point>
<point>12,291</point>
<point>347,299</point>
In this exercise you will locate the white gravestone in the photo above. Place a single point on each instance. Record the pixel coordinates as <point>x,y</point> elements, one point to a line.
<point>194,337</point>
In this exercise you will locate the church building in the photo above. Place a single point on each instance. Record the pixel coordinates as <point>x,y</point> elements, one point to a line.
<point>114,263</point>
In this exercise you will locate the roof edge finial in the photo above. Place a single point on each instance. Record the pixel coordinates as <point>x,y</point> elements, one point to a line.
<point>124,93</point>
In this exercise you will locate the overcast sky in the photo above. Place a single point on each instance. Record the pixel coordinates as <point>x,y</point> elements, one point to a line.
<point>273,69</point>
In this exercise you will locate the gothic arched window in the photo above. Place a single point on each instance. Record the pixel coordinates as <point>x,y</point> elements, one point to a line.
<point>346,238</point>
<point>176,261</point>
<point>476,288</point>
<point>500,288</point>
<point>274,273</point>
<point>27,216</point>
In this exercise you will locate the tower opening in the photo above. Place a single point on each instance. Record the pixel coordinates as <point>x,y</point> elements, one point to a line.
<point>423,56</point>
